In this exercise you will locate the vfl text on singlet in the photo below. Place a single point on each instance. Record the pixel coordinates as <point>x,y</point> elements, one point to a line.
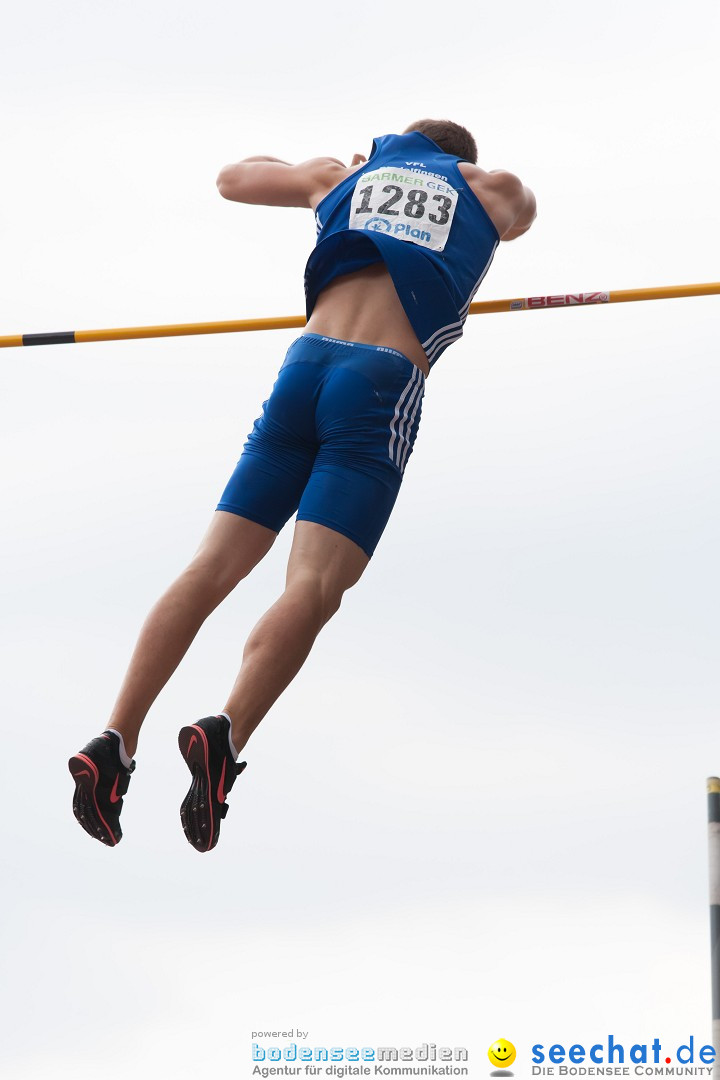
<point>409,205</point>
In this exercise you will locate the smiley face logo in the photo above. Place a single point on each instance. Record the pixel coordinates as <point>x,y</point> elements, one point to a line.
<point>502,1053</point>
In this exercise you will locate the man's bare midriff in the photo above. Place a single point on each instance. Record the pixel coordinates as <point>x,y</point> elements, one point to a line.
<point>364,307</point>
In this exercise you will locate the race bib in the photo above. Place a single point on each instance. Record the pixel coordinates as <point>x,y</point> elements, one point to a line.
<point>408,205</point>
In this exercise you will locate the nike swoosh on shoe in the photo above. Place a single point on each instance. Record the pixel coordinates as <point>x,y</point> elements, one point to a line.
<point>221,784</point>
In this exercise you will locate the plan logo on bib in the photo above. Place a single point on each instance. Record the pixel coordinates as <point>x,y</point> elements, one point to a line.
<point>378,224</point>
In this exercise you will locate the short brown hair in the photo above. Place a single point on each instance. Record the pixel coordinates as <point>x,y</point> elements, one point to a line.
<point>451,138</point>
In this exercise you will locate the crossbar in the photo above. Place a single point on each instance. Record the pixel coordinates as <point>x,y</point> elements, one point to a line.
<point>289,322</point>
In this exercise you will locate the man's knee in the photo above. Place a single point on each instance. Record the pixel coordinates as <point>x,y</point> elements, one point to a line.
<point>321,592</point>
<point>216,576</point>
<point>332,602</point>
<point>232,547</point>
<point>324,564</point>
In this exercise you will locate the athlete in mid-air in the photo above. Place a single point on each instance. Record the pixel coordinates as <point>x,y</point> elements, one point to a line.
<point>404,240</point>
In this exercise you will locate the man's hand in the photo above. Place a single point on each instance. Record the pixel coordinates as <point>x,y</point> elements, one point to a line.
<point>267,181</point>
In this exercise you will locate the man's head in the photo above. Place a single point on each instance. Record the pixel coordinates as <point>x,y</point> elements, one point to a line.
<point>451,138</point>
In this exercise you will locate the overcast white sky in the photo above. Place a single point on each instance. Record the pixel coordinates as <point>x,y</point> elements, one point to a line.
<point>480,810</point>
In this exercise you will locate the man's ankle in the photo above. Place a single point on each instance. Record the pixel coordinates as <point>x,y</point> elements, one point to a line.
<point>235,753</point>
<point>126,756</point>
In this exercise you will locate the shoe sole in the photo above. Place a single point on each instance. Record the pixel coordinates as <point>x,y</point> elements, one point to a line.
<point>196,809</point>
<point>87,812</point>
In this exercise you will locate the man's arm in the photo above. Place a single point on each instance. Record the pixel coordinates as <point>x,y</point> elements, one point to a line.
<point>520,202</point>
<point>267,181</point>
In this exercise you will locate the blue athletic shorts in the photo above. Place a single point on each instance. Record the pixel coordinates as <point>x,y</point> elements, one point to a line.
<point>333,440</point>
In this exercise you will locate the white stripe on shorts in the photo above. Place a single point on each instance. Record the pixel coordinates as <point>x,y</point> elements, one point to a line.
<point>410,427</point>
<point>413,381</point>
<point>406,422</point>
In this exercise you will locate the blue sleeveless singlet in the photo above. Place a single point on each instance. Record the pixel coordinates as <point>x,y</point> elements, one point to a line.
<point>411,208</point>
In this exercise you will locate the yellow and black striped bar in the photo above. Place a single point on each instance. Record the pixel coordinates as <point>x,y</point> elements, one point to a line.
<point>127,333</point>
<point>65,338</point>
<point>288,322</point>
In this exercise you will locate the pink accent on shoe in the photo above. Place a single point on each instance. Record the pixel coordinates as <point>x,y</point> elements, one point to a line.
<point>221,785</point>
<point>96,775</point>
<point>206,748</point>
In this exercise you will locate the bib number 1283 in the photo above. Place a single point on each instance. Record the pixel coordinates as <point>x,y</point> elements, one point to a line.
<point>408,206</point>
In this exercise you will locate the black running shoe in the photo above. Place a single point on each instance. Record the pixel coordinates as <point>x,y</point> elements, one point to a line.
<point>101,780</point>
<point>206,749</point>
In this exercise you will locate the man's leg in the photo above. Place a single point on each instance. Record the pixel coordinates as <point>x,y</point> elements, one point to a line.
<point>322,565</point>
<point>232,546</point>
